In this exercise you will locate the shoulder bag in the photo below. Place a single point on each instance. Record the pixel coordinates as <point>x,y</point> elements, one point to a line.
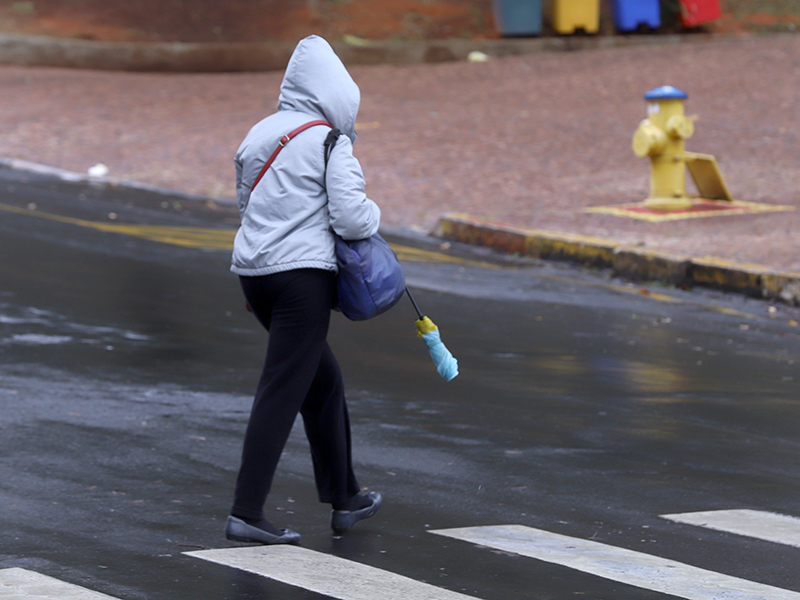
<point>370,279</point>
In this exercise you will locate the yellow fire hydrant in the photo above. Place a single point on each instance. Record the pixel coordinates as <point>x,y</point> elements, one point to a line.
<point>661,137</point>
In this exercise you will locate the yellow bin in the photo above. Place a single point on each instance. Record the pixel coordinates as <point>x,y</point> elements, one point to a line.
<point>571,15</point>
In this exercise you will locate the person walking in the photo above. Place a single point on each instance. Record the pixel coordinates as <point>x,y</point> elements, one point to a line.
<point>284,256</point>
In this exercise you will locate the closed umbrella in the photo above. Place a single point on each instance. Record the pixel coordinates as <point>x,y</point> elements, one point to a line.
<point>445,362</point>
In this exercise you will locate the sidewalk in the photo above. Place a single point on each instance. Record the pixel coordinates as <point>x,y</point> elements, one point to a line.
<point>526,142</point>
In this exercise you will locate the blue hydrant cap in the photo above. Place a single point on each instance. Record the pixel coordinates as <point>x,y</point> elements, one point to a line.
<point>666,92</point>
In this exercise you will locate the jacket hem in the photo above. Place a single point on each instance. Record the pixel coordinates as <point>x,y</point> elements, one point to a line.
<point>301,264</point>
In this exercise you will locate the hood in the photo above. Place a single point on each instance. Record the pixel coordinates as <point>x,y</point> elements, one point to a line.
<point>316,82</point>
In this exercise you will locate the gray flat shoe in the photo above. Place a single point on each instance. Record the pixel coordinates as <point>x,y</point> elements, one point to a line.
<point>239,531</point>
<point>342,520</point>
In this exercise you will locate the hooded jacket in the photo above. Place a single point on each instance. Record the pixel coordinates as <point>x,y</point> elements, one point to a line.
<point>288,217</point>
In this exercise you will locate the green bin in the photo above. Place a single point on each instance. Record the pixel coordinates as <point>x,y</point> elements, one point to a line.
<point>518,17</point>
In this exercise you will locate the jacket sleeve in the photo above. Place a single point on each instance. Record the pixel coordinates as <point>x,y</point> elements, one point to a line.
<point>242,191</point>
<point>353,216</point>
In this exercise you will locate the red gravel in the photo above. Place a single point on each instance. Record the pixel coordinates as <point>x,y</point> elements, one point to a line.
<point>529,141</point>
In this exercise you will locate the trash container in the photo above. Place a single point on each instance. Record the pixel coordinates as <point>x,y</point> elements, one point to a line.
<point>630,14</point>
<point>570,15</point>
<point>671,15</point>
<point>697,12</point>
<point>518,17</point>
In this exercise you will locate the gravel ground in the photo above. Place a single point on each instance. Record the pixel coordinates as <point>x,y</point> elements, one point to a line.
<point>529,141</point>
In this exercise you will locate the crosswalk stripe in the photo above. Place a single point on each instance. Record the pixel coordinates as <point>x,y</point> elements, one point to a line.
<point>16,583</point>
<point>768,526</point>
<point>618,564</point>
<point>326,574</point>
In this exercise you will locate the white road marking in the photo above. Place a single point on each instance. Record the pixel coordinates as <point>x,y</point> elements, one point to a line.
<point>763,525</point>
<point>325,574</point>
<point>21,584</point>
<point>618,564</point>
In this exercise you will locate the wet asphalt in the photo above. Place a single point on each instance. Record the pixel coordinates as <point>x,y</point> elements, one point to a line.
<point>585,406</point>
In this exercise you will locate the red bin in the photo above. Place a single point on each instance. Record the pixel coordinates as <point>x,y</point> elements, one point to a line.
<point>697,12</point>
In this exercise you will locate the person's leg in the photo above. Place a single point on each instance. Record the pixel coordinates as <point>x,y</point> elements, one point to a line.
<point>295,307</point>
<point>328,430</point>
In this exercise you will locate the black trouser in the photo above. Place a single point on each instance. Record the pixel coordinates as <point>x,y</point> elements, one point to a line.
<point>300,375</point>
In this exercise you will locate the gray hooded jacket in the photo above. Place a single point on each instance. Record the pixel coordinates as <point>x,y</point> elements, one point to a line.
<point>288,217</point>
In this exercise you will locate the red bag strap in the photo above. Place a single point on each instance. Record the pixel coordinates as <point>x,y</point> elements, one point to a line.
<point>282,142</point>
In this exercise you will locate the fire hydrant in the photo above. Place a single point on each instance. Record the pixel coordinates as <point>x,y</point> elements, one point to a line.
<point>661,137</point>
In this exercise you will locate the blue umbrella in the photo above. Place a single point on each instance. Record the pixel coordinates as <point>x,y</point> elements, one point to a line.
<point>445,362</point>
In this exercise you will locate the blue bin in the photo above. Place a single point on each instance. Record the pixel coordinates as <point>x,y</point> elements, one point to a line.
<point>518,17</point>
<point>630,14</point>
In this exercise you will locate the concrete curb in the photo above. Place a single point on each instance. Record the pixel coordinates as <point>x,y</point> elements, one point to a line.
<point>65,175</point>
<point>629,262</point>
<point>25,50</point>
<point>633,263</point>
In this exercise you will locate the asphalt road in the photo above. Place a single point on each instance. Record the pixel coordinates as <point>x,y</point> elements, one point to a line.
<point>586,407</point>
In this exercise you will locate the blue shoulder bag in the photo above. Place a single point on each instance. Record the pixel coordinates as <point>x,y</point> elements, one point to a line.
<point>370,279</point>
